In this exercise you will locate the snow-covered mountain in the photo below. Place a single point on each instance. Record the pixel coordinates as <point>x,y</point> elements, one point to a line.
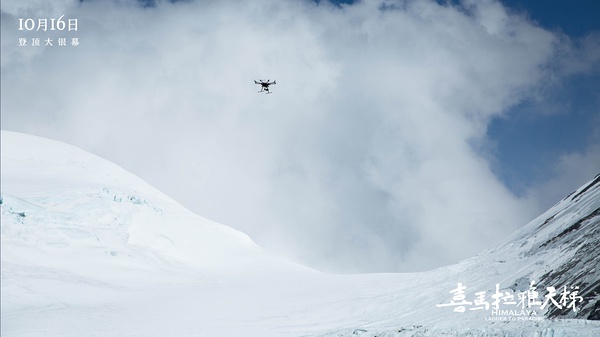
<point>89,249</point>
<point>561,248</point>
<point>60,201</point>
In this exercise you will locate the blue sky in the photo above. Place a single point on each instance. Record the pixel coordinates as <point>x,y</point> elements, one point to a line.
<point>397,138</point>
<point>531,138</point>
<point>575,18</point>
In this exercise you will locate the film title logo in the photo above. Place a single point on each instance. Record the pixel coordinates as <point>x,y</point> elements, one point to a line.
<point>505,306</point>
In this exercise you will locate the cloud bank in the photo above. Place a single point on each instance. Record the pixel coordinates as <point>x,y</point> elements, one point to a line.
<point>370,155</point>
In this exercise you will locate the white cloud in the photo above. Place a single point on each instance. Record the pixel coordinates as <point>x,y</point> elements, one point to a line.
<point>361,159</point>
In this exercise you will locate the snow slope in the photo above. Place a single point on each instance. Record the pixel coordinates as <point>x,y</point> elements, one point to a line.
<point>89,249</point>
<point>58,199</point>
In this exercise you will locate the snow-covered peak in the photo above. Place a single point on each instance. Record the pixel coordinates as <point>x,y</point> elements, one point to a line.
<point>565,243</point>
<point>31,163</point>
<point>58,200</point>
<point>560,248</point>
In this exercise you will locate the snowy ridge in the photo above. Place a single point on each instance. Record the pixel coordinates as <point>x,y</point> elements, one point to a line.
<point>571,234</point>
<point>564,246</point>
<point>89,249</point>
<point>57,199</point>
<point>559,248</point>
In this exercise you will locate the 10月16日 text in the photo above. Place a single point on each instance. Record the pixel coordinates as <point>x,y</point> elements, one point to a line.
<point>42,26</point>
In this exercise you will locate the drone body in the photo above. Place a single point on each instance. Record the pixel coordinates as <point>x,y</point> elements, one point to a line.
<point>264,85</point>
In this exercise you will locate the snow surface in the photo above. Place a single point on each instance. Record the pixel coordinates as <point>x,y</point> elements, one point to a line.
<point>89,249</point>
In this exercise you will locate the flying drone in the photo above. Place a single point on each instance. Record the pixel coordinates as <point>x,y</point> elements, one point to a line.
<point>264,85</point>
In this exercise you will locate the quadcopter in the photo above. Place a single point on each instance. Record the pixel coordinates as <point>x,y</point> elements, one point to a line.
<point>264,85</point>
